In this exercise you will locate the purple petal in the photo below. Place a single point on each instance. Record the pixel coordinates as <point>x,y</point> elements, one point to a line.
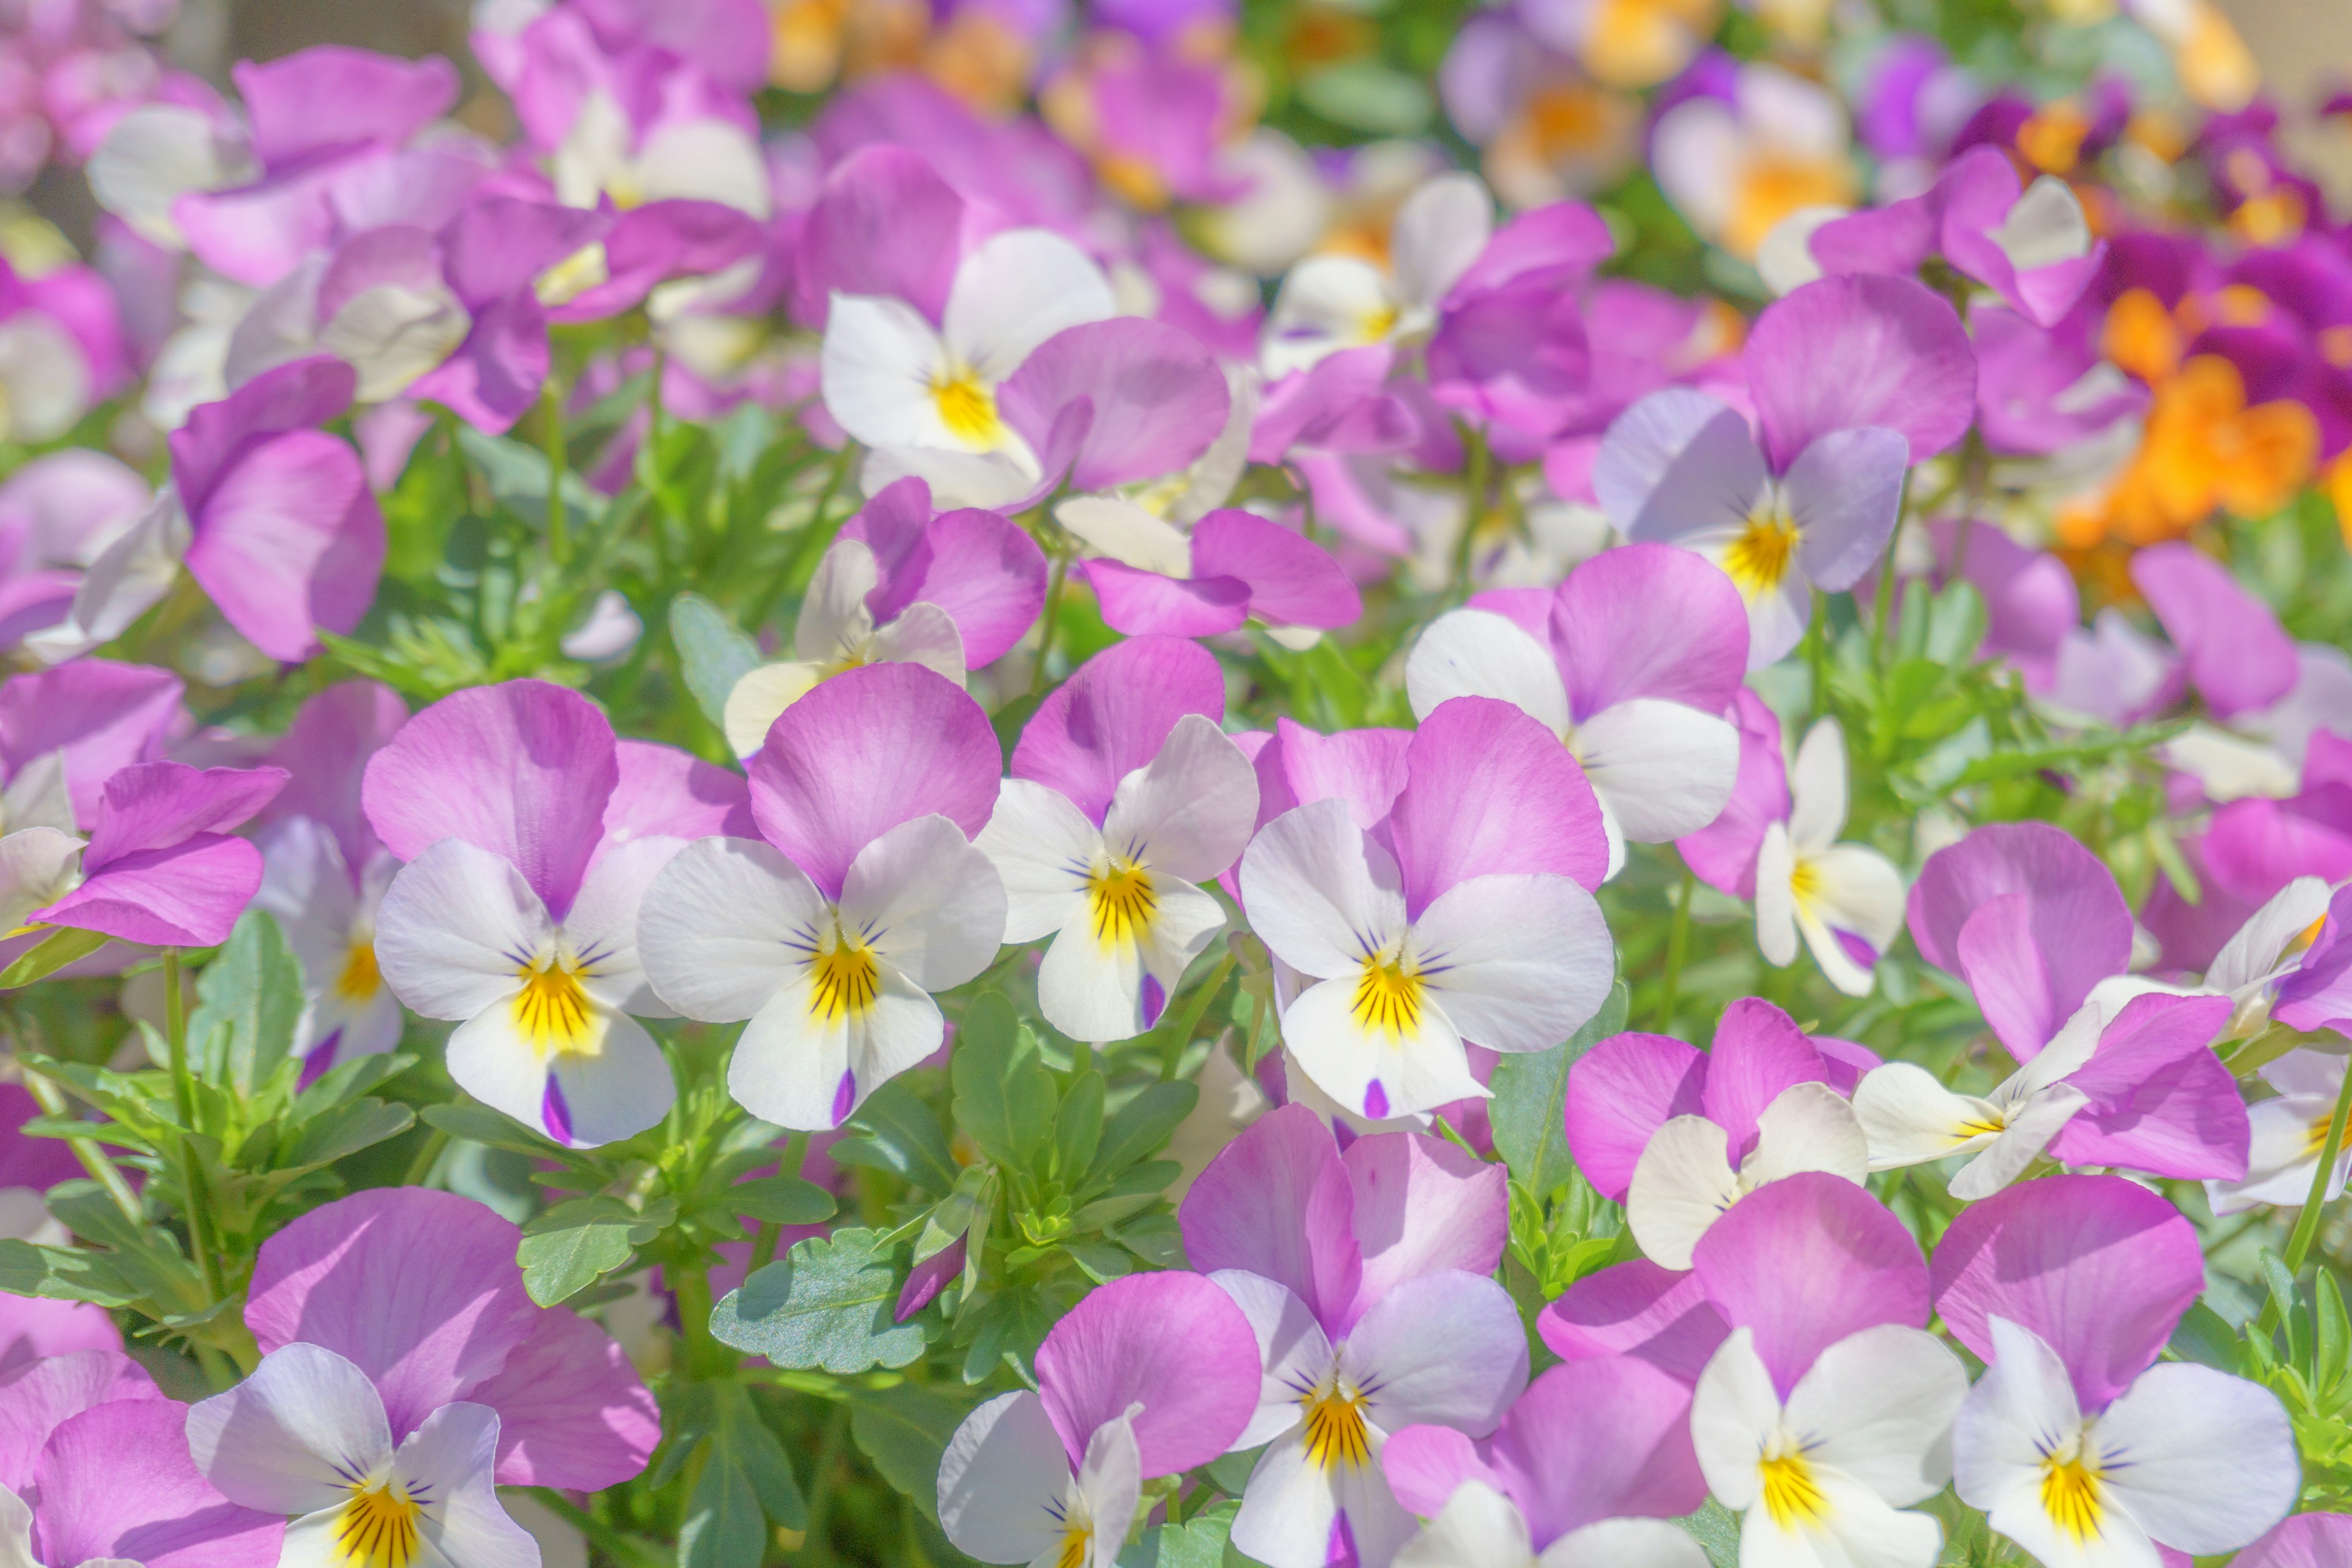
<point>2239,658</point>
<point>1677,462</point>
<point>493,377</point>
<point>1112,716</point>
<point>325,753</point>
<point>1421,1205</point>
<point>102,715</point>
<point>523,770</point>
<point>1492,792</point>
<point>1723,854</point>
<point>1338,406</point>
<point>116,1482</point>
<point>1846,353</point>
<point>652,243</point>
<point>886,223</point>
<point>1845,491</point>
<point>928,1278</point>
<point>1145,603</point>
<point>1173,1343</point>
<point>865,751</point>
<point>985,572</point>
<point>1892,240</point>
<point>1599,1439</point>
<point>1366,768</point>
<point>573,1412</point>
<point>1559,236</point>
<point>2080,926</point>
<point>331,99</point>
<point>2031,600</point>
<point>1806,1260</point>
<point>156,806</point>
<point>1278,1203</point>
<point>1619,1094</point>
<point>39,1163</point>
<point>35,1329</point>
<point>2161,1102</point>
<point>1758,1052</point>
<point>665,793</point>
<point>2255,847</point>
<point>417,1288</point>
<point>1638,1309</point>
<point>493,249</point>
<point>1158,397</point>
<point>289,540</point>
<point>255,235</point>
<point>35,1400</point>
<point>2305,1541</point>
<point>302,396</point>
<point>186,896</point>
<point>1424,1466</point>
<point>1293,580</point>
<point>1648,620</point>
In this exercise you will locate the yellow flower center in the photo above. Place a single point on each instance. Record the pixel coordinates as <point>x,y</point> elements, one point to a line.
<point>1076,1538</point>
<point>377,1529</point>
<point>1122,902</point>
<point>1375,325</point>
<point>553,1012</point>
<point>844,980</point>
<point>967,407</point>
<point>359,979</point>
<point>1334,1427</point>
<point>1791,1496</point>
<point>585,268</point>
<point>1388,995</point>
<point>1774,185</point>
<point>2069,1492</point>
<point>1760,557</point>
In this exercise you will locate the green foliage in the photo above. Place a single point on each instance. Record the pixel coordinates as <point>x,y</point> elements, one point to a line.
<point>827,1306</point>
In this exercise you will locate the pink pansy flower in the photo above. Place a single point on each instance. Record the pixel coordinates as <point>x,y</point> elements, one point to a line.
<point>1149,1375</point>
<point>158,869</point>
<point>94,1468</point>
<point>1679,1136</point>
<point>1846,900</point>
<point>64,731</point>
<point>1465,915</point>
<point>1364,1275</point>
<point>2303,1541</point>
<point>1332,302</point>
<point>57,515</point>
<point>405,1374</point>
<point>1585,1469</point>
<point>861,897</point>
<point>1511,350</point>
<point>951,593</point>
<point>1632,662</point>
<point>1233,567</point>
<point>530,837</point>
<point>2069,1287</point>
<point>1853,380</point>
<point>326,873</point>
<point>1125,797</point>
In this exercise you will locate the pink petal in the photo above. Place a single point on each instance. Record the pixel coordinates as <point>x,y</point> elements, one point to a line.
<point>1640,1310</point>
<point>665,793</point>
<point>1492,791</point>
<point>1619,1094</point>
<point>256,234</point>
<point>116,1482</point>
<point>101,714</point>
<point>1292,581</point>
<point>573,1412</point>
<point>1338,406</point>
<point>1366,768</point>
<point>291,539</point>
<point>886,223</point>
<point>2255,847</point>
<point>523,770</point>
<point>2161,1102</point>
<point>302,396</point>
<point>1846,353</point>
<point>494,377</point>
<point>2099,1267</point>
<point>156,806</point>
<point>2305,1541</point>
<point>1277,1201</point>
<point>1723,854</point>
<point>1599,1439</point>
<point>417,1288</point>
<point>325,753</point>
<point>649,245</point>
<point>34,1328</point>
<point>186,896</point>
<point>329,98</point>
<point>1171,1341</point>
<point>1757,1051</point>
<point>1806,1260</point>
<point>985,572</point>
<point>865,751</point>
<point>36,1399</point>
<point>1421,1205</point>
<point>1113,714</point>
<point>1157,395</point>
<point>1649,620</point>
<point>2239,658</point>
<point>1144,603</point>
<point>1425,1465</point>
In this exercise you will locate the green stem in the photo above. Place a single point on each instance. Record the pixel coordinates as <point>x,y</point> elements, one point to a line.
<point>559,525</point>
<point>184,1100</point>
<point>428,1154</point>
<point>1172,1054</point>
<point>86,1150</point>
<point>1677,948</point>
<point>1480,477</point>
<point>1039,678</point>
<point>2306,1224</point>
<point>691,1284</point>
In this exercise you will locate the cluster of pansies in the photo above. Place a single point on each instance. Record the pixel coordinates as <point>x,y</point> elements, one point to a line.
<point>913,782</point>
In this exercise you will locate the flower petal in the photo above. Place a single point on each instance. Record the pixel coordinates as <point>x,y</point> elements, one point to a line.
<point>573,1412</point>
<point>1113,715</point>
<point>1321,894</point>
<point>1173,1343</point>
<point>1662,769</point>
<point>1001,1481</point>
<point>1521,985</point>
<point>1191,811</point>
<point>1421,1205</point>
<point>928,901</point>
<point>1879,1405</point>
<point>456,929</point>
<point>1845,492</point>
<point>1492,791</point>
<point>1043,848</point>
<point>1278,1203</point>
<point>1016,290</point>
<point>1475,653</point>
<point>287,1439</point>
<point>2212,1457</point>
<point>718,926</point>
<point>1845,352</point>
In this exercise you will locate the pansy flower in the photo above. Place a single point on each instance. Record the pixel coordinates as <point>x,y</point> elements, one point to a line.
<point>1327,303</point>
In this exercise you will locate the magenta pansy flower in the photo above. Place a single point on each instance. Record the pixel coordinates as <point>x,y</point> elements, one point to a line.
<point>160,868</point>
<point>64,731</point>
<point>1853,380</point>
<point>1330,303</point>
<point>1466,916</point>
<point>1632,662</point>
<point>1234,567</point>
<point>1149,1375</point>
<point>2069,1287</point>
<point>530,836</point>
<point>1365,1276</point>
<point>1125,797</point>
<point>862,895</point>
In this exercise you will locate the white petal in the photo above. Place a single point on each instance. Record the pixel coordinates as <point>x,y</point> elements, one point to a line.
<point>1439,232</point>
<point>1817,787</point>
<point>760,696</point>
<point>1018,289</point>
<point>1477,653</point>
<point>994,480</point>
<point>1001,1481</point>
<point>154,155</point>
<point>2023,1405</point>
<point>1858,1530</point>
<point>1786,257</point>
<point>1517,961</point>
<point>459,927</point>
<point>1189,812</point>
<point>1043,849</point>
<point>288,1438</point>
<point>36,796</point>
<point>2228,768</point>
<point>391,335</point>
<point>1776,898</point>
<point>1734,1414</point>
<point>722,928</point>
<point>1326,303</point>
<point>833,622</point>
<point>2279,1159</point>
<point>601,926</point>
<point>305,884</point>
<point>1288,1509</point>
<point>705,160</point>
<point>1777,618</point>
<point>1415,1071</point>
<point>2044,228</point>
<point>2029,1132</point>
<point>799,1067</point>
<point>1848,888</point>
<point>1663,769</point>
<point>1681,1186</point>
<point>1126,533</point>
<point>1291,1346</point>
<point>1100,990</point>
<point>129,575</point>
<point>15,1532</point>
<point>1320,893</point>
<point>451,1457</point>
<point>1110,1483</point>
<point>925,899</point>
<point>38,865</point>
<point>1447,1347</point>
<point>2208,1460</point>
<point>1910,1118</point>
<point>925,634</point>
<point>1621,1543</point>
<point>2253,954</point>
<point>877,363</point>
<point>44,375</point>
<point>1477,1527</point>
<point>1878,1405</point>
<point>616,1093</point>
<point>1808,1127</point>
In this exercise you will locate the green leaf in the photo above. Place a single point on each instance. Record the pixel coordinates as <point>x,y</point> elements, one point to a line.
<point>1003,1095</point>
<point>904,1430</point>
<point>825,1305</point>
<point>1528,1091</point>
<point>1717,1530</point>
<point>764,1464</point>
<point>494,1129</point>
<point>63,945</point>
<point>713,654</point>
<point>2204,1336</point>
<point>723,1527</point>
<point>61,1274</point>
<point>1078,1127</point>
<point>248,999</point>
<point>347,1130</point>
<point>894,1130</point>
<point>1198,1542</point>
<point>1141,1127</point>
<point>90,1213</point>
<point>567,1249</point>
<point>517,474</point>
<point>1012,1323</point>
<point>780,1200</point>
<point>2331,1331</point>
